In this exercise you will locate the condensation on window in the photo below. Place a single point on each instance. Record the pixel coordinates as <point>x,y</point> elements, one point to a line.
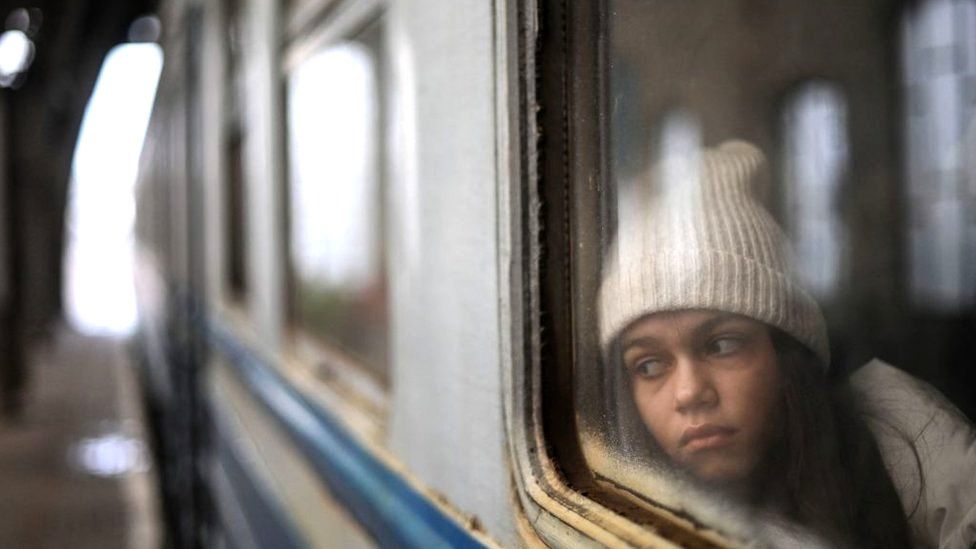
<point>815,165</point>
<point>939,78</point>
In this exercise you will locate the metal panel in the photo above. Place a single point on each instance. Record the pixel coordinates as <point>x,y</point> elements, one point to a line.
<point>263,178</point>
<point>446,375</point>
<point>212,93</point>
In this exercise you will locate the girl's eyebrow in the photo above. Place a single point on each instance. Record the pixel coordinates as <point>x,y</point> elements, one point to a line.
<point>714,322</point>
<point>701,330</point>
<point>642,341</point>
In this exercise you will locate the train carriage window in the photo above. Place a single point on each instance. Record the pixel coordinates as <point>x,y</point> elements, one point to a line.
<point>785,275</point>
<point>235,226</point>
<point>335,158</point>
<point>235,199</point>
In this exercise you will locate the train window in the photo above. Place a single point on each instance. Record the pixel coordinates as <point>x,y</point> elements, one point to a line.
<point>336,157</point>
<point>784,274</point>
<point>235,205</point>
<point>235,219</point>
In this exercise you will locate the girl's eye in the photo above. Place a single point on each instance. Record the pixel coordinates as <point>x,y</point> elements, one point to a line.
<point>649,368</point>
<point>725,345</point>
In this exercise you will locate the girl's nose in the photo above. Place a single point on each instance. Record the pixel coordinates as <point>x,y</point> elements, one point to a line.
<point>693,388</point>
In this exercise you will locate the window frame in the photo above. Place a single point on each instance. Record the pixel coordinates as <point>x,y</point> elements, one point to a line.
<point>555,231</point>
<point>555,201</point>
<point>232,297</point>
<point>332,379</point>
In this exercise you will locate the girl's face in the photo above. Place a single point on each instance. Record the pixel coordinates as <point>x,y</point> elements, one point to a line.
<point>708,388</point>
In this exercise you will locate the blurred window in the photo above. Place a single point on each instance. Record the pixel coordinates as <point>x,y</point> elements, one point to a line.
<point>939,79</point>
<point>235,196</point>
<point>336,158</point>
<point>235,220</point>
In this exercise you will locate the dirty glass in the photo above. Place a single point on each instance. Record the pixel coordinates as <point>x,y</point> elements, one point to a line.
<point>775,162</point>
<point>335,176</point>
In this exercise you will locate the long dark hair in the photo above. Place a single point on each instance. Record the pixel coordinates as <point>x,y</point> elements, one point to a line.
<point>835,481</point>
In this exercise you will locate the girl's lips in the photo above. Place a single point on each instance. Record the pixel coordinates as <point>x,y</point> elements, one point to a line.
<point>707,436</point>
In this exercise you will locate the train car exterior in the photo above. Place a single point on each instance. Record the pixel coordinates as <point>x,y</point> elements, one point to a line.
<point>369,236</point>
<point>268,441</point>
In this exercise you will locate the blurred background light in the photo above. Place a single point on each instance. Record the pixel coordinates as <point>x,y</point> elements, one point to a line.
<point>16,54</point>
<point>99,288</point>
<point>18,19</point>
<point>145,29</point>
<point>111,455</point>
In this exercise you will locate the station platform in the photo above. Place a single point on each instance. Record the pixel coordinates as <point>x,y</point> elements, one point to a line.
<point>75,467</point>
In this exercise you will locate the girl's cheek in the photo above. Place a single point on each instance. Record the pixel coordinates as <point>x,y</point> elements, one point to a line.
<point>654,414</point>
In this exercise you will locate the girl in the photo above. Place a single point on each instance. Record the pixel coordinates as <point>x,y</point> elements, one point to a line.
<point>727,360</point>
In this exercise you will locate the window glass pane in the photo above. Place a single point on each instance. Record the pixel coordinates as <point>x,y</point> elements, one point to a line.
<point>788,273</point>
<point>336,214</point>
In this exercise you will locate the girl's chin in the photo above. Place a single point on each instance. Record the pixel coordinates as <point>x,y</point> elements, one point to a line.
<point>719,473</point>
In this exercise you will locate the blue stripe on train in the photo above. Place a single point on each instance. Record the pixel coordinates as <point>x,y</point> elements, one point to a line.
<point>267,522</point>
<point>388,508</point>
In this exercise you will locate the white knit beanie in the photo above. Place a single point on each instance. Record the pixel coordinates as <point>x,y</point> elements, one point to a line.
<point>705,242</point>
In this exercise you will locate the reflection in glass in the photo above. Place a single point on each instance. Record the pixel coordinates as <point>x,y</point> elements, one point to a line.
<point>815,165</point>
<point>676,156</point>
<point>673,146</point>
<point>939,57</point>
<point>335,200</point>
